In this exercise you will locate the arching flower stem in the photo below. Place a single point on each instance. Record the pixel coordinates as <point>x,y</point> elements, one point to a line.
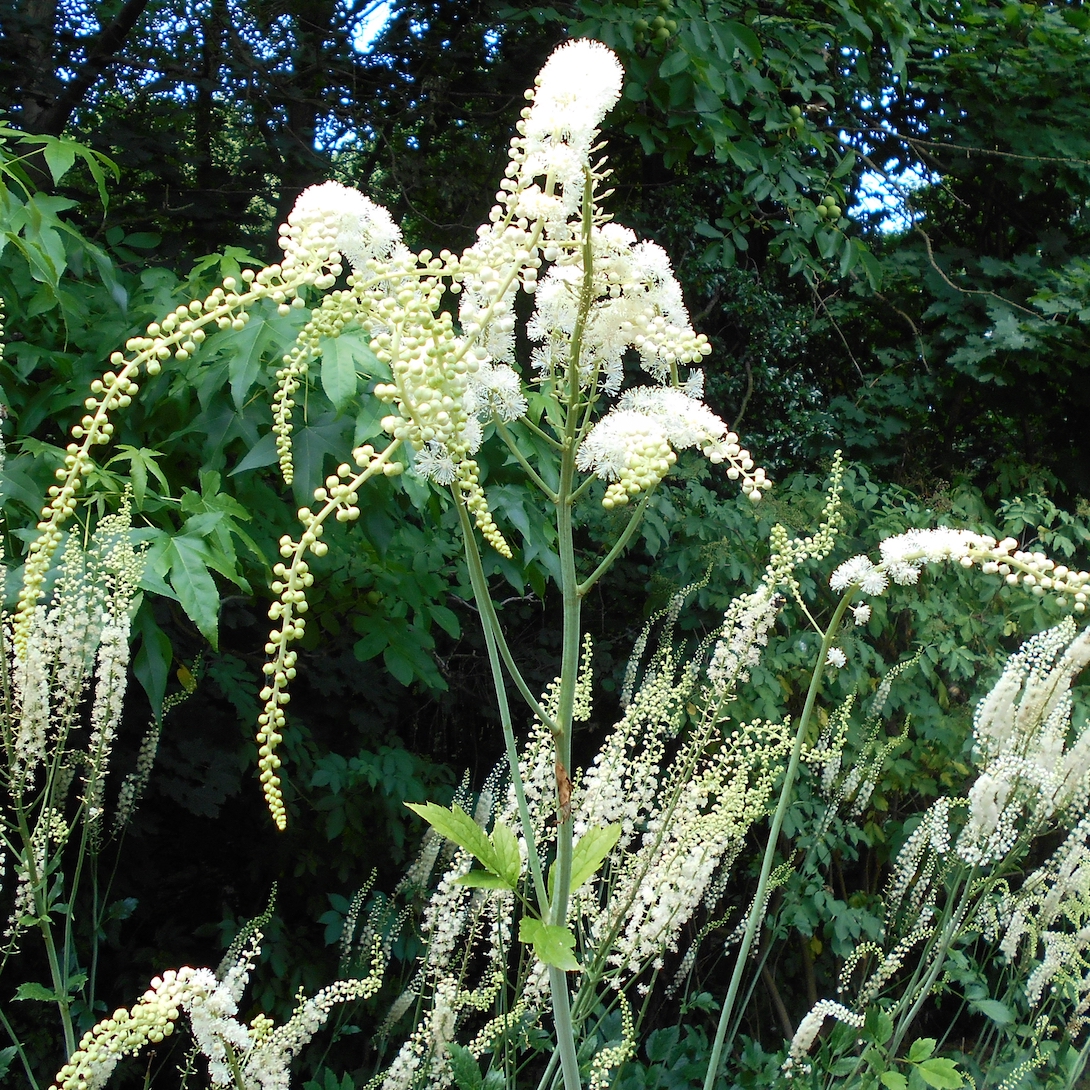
<point>532,473</point>
<point>756,912</point>
<point>619,545</point>
<point>493,637</point>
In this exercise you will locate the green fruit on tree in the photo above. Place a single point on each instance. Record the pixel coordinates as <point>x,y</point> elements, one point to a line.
<point>795,113</point>
<point>658,22</point>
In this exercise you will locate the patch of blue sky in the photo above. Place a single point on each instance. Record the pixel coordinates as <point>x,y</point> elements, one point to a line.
<point>885,199</point>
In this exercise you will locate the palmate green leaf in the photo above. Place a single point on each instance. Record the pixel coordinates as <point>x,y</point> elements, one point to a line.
<point>552,945</point>
<point>591,851</point>
<point>456,825</point>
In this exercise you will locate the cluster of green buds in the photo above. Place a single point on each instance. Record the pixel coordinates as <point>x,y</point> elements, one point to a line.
<point>177,335</point>
<point>126,1032</point>
<point>293,577</point>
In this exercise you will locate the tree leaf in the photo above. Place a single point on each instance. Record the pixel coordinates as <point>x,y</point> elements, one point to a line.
<point>455,824</point>
<point>589,854</point>
<point>893,1080</point>
<point>59,156</point>
<point>552,945</point>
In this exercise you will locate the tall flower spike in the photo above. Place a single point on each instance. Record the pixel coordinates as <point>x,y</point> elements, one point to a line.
<point>579,84</point>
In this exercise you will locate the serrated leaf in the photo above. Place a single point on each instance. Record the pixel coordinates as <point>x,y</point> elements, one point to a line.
<point>893,1080</point>
<point>998,1012</point>
<point>941,1074</point>
<point>6,1056</point>
<point>589,854</point>
<point>243,348</point>
<point>464,1068</point>
<point>36,992</point>
<point>456,825</point>
<point>188,560</point>
<point>59,156</point>
<point>920,1049</point>
<point>552,945</point>
<point>507,854</point>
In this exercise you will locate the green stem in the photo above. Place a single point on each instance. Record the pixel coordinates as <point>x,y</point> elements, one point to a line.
<point>20,1050</point>
<point>527,422</point>
<point>480,593</point>
<point>488,611</point>
<point>786,794</point>
<point>937,960</point>
<point>562,739</point>
<point>57,972</point>
<point>618,546</point>
<point>532,473</point>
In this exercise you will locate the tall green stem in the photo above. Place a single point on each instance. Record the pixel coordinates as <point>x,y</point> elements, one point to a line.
<point>480,592</point>
<point>58,972</point>
<point>756,912</point>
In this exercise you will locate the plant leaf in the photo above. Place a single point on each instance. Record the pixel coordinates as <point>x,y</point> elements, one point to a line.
<point>920,1049</point>
<point>941,1074</point>
<point>455,824</point>
<point>194,585</point>
<point>339,378</point>
<point>464,1068</point>
<point>552,945</point>
<point>507,854</point>
<point>589,854</point>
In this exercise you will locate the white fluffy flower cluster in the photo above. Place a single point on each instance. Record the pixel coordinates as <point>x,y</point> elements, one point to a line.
<point>808,1030</point>
<point>262,1054</point>
<point>579,84</point>
<point>904,555</point>
<point>331,220</point>
<point>633,445</point>
<point>637,305</point>
<point>746,625</point>
<point>1028,771</point>
<point>917,863</point>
